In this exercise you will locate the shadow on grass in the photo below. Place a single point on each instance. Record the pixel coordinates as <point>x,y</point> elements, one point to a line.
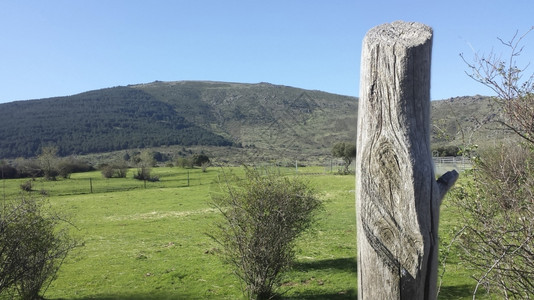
<point>127,296</point>
<point>350,294</point>
<point>447,292</point>
<point>456,292</point>
<point>348,264</point>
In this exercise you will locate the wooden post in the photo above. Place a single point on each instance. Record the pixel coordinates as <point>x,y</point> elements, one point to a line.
<point>397,195</point>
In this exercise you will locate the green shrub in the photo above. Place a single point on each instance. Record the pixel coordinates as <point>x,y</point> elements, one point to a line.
<point>33,244</point>
<point>143,173</point>
<point>26,186</point>
<point>107,171</point>
<point>497,208</point>
<point>118,169</point>
<point>184,162</point>
<point>263,216</point>
<point>69,165</point>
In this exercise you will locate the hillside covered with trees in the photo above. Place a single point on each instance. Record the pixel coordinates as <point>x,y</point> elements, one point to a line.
<point>175,113</point>
<point>272,120</point>
<point>97,121</point>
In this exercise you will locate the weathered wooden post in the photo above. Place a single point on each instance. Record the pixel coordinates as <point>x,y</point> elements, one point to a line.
<point>398,198</point>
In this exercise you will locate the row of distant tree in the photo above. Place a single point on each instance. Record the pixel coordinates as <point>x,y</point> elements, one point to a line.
<point>50,165</point>
<point>47,164</point>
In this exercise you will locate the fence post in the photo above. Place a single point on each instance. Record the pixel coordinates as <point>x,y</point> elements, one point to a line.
<point>91,184</point>
<point>397,196</point>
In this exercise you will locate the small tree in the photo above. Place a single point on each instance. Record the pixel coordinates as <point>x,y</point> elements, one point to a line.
<point>68,165</point>
<point>200,159</point>
<point>144,166</point>
<point>263,215</point>
<point>515,92</point>
<point>48,161</point>
<point>346,151</point>
<point>26,186</point>
<point>184,162</point>
<point>497,208</point>
<point>106,170</point>
<point>33,245</point>
<point>117,169</point>
<point>120,169</point>
<point>497,203</point>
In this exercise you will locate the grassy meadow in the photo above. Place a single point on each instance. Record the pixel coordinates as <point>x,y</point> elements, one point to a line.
<point>151,241</point>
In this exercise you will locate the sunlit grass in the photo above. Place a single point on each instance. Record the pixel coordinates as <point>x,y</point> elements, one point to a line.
<point>153,243</point>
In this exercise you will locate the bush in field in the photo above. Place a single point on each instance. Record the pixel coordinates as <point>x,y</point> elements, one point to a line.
<point>106,170</point>
<point>184,162</point>
<point>33,244</point>
<point>145,163</point>
<point>263,215</point>
<point>143,173</point>
<point>69,165</point>
<point>26,186</point>
<point>48,162</point>
<point>205,166</point>
<point>497,206</point>
<point>121,171</point>
<point>117,169</point>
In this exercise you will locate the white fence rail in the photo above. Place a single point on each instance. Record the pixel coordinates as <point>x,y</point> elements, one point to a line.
<point>446,163</point>
<point>451,160</point>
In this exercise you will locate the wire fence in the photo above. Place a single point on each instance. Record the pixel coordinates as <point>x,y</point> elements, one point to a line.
<point>93,182</point>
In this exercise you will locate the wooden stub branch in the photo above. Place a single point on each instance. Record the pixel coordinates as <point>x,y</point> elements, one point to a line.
<point>398,198</point>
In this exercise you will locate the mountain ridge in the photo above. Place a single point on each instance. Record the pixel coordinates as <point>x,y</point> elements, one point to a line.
<point>270,120</point>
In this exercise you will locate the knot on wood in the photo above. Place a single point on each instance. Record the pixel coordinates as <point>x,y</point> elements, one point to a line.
<point>389,223</point>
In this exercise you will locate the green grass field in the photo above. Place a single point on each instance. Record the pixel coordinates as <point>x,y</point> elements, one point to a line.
<point>151,242</point>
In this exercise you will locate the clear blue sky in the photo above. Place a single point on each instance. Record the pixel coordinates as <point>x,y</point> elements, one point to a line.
<point>56,48</point>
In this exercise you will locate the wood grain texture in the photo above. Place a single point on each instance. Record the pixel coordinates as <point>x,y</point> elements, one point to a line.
<point>397,196</point>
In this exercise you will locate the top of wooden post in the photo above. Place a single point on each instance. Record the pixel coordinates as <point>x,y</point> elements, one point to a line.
<point>407,33</point>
